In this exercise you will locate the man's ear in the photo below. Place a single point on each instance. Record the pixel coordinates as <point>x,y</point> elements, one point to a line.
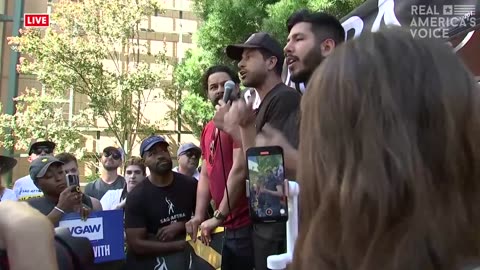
<point>327,47</point>
<point>272,62</point>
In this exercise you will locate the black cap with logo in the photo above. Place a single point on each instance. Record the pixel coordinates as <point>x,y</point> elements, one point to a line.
<point>40,165</point>
<point>260,40</point>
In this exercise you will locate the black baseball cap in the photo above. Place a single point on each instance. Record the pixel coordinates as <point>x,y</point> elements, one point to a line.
<point>39,167</point>
<point>260,40</point>
<point>37,144</point>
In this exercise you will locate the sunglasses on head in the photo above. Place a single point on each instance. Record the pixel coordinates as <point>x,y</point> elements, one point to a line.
<point>114,155</point>
<point>40,150</point>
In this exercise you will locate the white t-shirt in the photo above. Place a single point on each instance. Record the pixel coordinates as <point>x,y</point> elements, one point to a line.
<point>196,175</point>
<point>111,199</point>
<point>8,195</point>
<point>25,189</point>
<point>257,101</point>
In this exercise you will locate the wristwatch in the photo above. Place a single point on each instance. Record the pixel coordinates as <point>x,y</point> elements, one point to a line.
<point>218,215</point>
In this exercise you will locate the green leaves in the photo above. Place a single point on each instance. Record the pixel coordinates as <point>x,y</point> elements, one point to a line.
<point>228,22</point>
<point>93,48</point>
<point>196,112</point>
<point>42,117</point>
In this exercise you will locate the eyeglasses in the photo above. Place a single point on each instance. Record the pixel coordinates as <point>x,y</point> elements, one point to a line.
<point>39,150</point>
<point>115,156</point>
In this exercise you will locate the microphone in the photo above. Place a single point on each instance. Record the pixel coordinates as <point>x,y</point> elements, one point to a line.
<point>228,86</point>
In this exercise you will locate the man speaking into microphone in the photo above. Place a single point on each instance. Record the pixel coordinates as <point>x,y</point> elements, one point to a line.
<point>222,173</point>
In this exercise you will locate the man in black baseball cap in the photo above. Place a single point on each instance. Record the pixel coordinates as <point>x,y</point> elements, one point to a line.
<point>260,40</point>
<point>24,187</point>
<point>48,175</point>
<point>260,68</point>
<point>40,148</point>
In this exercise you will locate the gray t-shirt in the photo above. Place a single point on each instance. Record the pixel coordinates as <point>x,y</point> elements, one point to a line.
<point>98,188</point>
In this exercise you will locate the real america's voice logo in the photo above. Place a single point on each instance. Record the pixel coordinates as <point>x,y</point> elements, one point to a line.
<point>434,21</point>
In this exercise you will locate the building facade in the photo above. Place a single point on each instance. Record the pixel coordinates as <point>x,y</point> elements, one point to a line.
<point>169,32</point>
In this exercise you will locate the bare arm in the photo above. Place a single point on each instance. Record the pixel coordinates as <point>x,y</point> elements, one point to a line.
<point>277,193</point>
<point>248,135</point>
<point>203,193</point>
<point>96,205</point>
<point>291,158</point>
<point>139,244</point>
<point>55,216</point>
<point>24,230</point>
<point>235,183</point>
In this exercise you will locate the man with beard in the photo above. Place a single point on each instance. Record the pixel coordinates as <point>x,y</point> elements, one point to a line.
<point>312,37</point>
<point>222,171</point>
<point>157,208</point>
<point>260,62</point>
<point>109,180</point>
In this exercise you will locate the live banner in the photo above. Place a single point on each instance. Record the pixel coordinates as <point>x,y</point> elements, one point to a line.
<point>104,229</point>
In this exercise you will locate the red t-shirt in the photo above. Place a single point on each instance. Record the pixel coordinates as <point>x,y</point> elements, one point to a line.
<point>217,147</point>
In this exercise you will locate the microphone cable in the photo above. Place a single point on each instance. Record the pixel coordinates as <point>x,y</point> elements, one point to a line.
<point>225,177</point>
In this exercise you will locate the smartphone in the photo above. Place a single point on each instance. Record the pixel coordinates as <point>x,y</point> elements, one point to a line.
<point>73,180</point>
<point>266,190</point>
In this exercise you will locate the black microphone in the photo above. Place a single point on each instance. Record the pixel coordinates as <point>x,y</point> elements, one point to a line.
<point>228,86</point>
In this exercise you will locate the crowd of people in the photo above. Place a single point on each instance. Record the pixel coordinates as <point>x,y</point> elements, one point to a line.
<point>383,143</point>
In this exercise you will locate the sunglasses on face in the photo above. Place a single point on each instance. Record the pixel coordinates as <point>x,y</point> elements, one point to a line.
<point>191,154</point>
<point>39,150</point>
<point>115,156</point>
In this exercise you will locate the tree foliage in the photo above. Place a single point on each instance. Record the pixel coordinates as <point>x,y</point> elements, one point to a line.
<point>227,22</point>
<point>42,116</point>
<point>93,47</point>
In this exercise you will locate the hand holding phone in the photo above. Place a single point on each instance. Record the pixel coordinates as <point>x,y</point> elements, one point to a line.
<point>266,187</point>
<point>73,180</point>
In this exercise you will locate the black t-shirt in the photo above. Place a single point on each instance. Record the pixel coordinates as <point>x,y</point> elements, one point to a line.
<point>4,265</point>
<point>152,207</point>
<point>281,109</point>
<point>98,188</point>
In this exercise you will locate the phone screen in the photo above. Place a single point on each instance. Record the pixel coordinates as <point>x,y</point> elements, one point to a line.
<point>266,184</point>
<point>72,180</point>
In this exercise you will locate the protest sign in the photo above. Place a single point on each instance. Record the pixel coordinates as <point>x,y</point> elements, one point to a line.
<point>104,229</point>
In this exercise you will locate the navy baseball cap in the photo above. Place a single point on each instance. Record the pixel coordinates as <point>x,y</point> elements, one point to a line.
<point>149,142</point>
<point>40,165</point>
<point>182,150</point>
